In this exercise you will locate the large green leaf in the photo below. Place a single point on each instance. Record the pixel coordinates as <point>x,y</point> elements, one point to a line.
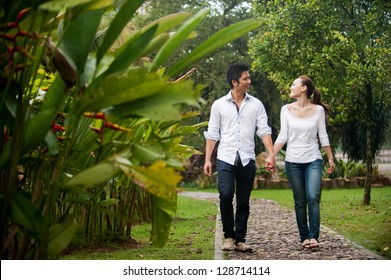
<point>178,38</point>
<point>60,5</point>
<point>163,24</point>
<point>147,154</point>
<point>134,47</point>
<point>116,89</point>
<point>98,4</point>
<point>99,173</point>
<point>24,213</point>
<point>79,33</point>
<point>94,176</point>
<point>215,42</point>
<point>122,17</point>
<point>162,105</point>
<point>60,235</point>
<point>157,179</point>
<point>184,150</point>
<point>155,44</point>
<point>162,212</point>
<point>168,22</point>
<point>137,94</point>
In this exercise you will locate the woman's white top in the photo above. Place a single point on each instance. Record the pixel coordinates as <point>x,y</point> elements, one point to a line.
<point>302,134</point>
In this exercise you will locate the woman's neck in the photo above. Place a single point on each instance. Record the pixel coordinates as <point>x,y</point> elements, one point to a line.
<point>302,103</point>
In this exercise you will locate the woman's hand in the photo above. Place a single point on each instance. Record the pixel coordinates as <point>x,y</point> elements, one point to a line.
<point>331,166</point>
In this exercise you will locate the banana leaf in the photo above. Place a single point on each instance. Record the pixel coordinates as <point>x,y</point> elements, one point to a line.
<point>60,235</point>
<point>78,36</point>
<point>179,37</point>
<point>122,18</point>
<point>162,212</point>
<point>132,51</point>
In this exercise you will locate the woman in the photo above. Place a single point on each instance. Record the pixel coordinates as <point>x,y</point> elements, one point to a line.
<point>302,124</point>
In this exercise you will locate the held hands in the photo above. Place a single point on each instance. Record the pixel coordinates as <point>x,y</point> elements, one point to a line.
<point>270,163</point>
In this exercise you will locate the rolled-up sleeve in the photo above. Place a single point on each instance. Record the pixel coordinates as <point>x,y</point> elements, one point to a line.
<point>213,132</point>
<point>262,126</point>
<point>322,132</point>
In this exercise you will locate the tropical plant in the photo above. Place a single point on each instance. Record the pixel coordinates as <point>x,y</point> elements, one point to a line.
<point>83,128</point>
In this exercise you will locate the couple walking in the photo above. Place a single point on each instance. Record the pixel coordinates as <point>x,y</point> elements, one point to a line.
<point>234,121</point>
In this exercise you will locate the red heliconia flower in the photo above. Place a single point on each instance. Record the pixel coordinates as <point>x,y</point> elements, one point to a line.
<point>96,129</point>
<point>99,115</point>
<point>116,127</point>
<point>56,127</point>
<point>21,14</point>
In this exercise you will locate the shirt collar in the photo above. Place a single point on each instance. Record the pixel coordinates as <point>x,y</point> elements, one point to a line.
<point>229,96</point>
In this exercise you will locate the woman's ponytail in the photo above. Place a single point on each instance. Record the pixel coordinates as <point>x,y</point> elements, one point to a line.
<point>313,93</point>
<point>316,99</point>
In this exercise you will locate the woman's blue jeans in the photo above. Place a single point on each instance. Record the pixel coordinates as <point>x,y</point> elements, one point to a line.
<point>235,228</point>
<point>305,180</point>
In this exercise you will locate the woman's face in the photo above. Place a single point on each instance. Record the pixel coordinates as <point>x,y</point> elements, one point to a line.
<point>297,89</point>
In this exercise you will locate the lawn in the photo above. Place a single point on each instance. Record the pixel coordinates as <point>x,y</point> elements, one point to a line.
<point>191,238</point>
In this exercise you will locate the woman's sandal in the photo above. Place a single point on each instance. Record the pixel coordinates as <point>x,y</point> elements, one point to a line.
<point>306,244</point>
<point>313,243</point>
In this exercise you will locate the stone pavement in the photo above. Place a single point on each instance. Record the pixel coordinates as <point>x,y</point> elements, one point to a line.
<point>273,234</point>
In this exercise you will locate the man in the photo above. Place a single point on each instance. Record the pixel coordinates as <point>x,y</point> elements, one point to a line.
<point>234,120</point>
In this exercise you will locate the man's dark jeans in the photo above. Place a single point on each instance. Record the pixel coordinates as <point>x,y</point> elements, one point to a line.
<point>235,228</point>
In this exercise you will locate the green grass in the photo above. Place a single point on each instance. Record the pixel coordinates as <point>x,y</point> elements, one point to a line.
<point>342,211</point>
<point>191,238</point>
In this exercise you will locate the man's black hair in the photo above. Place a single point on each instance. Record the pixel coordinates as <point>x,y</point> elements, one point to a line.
<point>234,72</point>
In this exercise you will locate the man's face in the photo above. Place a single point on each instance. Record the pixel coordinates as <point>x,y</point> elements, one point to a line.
<point>244,82</point>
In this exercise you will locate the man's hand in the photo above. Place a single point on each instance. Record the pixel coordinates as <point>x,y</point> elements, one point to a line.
<point>208,168</point>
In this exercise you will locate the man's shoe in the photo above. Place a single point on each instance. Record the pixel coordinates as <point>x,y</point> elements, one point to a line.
<point>228,244</point>
<point>243,247</point>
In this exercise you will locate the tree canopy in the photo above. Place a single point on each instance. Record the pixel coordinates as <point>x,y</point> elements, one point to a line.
<point>345,46</point>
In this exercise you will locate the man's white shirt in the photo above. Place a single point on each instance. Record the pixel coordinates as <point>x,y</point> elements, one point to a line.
<point>236,128</point>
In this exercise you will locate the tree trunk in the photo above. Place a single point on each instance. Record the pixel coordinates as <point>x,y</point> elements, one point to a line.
<point>368,150</point>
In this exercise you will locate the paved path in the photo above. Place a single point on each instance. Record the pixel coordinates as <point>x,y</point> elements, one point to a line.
<point>272,232</point>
